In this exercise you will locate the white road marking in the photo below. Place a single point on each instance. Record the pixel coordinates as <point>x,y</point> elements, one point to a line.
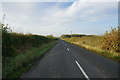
<point>86,76</point>
<point>67,49</point>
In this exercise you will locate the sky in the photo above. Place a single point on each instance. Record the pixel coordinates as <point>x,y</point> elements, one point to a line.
<point>57,18</point>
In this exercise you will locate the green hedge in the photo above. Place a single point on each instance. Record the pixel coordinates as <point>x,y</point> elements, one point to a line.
<point>12,43</point>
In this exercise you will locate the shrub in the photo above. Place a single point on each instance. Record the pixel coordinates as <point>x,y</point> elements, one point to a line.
<point>111,40</point>
<point>12,43</point>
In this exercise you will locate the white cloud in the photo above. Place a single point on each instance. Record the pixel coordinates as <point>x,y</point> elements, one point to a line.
<point>48,19</point>
<point>79,10</point>
<point>60,0</point>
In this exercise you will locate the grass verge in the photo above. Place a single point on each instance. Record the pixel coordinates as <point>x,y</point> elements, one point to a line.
<point>16,66</point>
<point>111,55</point>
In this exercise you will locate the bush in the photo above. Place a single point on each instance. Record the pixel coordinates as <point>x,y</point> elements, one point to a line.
<point>13,43</point>
<point>72,35</point>
<point>52,37</point>
<point>111,40</point>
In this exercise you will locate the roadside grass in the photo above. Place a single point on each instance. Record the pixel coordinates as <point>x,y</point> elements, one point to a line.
<point>14,67</point>
<point>111,55</point>
<point>93,41</point>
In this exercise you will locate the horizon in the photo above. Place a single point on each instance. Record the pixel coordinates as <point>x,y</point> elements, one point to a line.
<point>57,18</point>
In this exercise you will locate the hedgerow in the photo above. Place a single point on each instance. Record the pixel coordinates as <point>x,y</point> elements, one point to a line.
<point>111,40</point>
<point>12,42</point>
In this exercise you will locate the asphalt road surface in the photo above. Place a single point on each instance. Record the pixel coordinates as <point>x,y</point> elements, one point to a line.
<point>66,60</point>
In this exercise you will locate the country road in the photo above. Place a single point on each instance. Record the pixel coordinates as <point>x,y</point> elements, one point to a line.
<point>66,60</point>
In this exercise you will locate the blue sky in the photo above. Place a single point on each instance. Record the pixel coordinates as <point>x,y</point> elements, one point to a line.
<point>57,18</point>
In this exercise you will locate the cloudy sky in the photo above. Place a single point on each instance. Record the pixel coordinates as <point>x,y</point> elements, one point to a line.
<point>56,18</point>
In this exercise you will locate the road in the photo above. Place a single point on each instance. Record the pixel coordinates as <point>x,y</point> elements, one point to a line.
<point>66,60</point>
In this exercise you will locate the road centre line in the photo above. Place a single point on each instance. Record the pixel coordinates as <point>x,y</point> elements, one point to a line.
<point>86,76</point>
<point>67,49</point>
